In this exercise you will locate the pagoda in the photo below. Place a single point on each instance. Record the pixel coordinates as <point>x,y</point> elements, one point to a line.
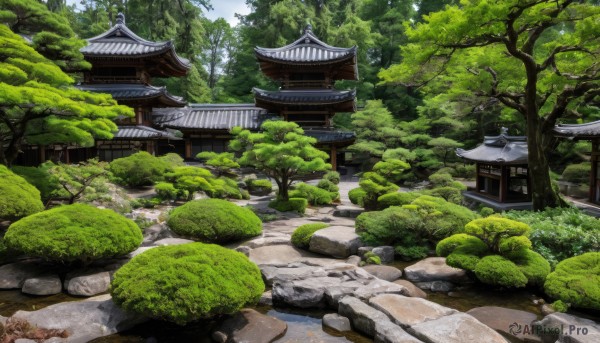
<point>306,71</point>
<point>123,65</point>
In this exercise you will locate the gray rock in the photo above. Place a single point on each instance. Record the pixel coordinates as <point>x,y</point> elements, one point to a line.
<point>378,286</point>
<point>387,273</point>
<point>309,293</point>
<point>270,273</point>
<point>336,322</point>
<point>219,337</point>
<point>335,293</point>
<point>456,328</point>
<point>156,232</point>
<point>281,255</point>
<point>507,321</point>
<point>172,241</point>
<point>412,290</point>
<point>388,332</point>
<point>434,269</point>
<point>42,285</point>
<point>13,275</point>
<point>547,309</point>
<point>243,249</point>
<point>354,260</point>
<point>139,251</point>
<point>347,211</point>
<point>261,242</point>
<point>24,340</point>
<point>251,326</point>
<point>406,311</point>
<point>441,286</point>
<point>385,253</point>
<point>364,318</point>
<point>87,283</point>
<point>363,250</point>
<point>336,241</point>
<point>266,298</point>
<point>562,327</point>
<point>84,320</point>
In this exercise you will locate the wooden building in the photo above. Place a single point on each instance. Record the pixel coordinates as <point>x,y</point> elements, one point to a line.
<point>502,179</point>
<point>306,71</point>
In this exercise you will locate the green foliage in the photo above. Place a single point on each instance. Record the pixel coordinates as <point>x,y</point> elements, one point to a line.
<point>396,199</point>
<point>40,178</point>
<point>500,233</point>
<point>332,176</point>
<point>356,196</point>
<point>75,179</point>
<point>292,204</point>
<point>303,233</point>
<point>441,179</point>
<point>558,234</point>
<point>184,283</point>
<point>166,190</point>
<point>214,220</point>
<point>73,233</point>
<point>374,186</point>
<point>577,173</point>
<point>281,151</point>
<point>560,306</point>
<point>375,130</point>
<point>412,252</point>
<point>450,194</point>
<point>486,211</point>
<point>19,198</point>
<point>442,218</point>
<point>442,146</point>
<point>371,258</point>
<point>173,159</point>
<point>392,169</point>
<point>497,270</point>
<point>314,195</point>
<point>222,163</point>
<point>576,281</point>
<point>259,186</point>
<point>139,169</point>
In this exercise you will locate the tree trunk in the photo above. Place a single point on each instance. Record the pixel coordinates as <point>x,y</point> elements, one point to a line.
<point>284,188</point>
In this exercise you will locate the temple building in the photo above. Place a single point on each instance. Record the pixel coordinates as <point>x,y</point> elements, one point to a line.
<point>589,132</point>
<point>123,65</point>
<point>502,176</point>
<point>306,71</point>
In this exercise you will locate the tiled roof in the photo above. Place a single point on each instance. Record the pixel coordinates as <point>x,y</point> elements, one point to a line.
<point>211,116</point>
<point>135,92</point>
<point>498,149</point>
<point>307,49</point>
<point>141,132</point>
<point>330,136</point>
<point>578,131</point>
<point>305,97</point>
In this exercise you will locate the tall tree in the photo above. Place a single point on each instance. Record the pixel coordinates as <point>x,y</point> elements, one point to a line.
<point>218,36</point>
<point>502,51</point>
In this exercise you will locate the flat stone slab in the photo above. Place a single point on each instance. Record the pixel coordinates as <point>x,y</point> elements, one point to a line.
<point>336,241</point>
<point>456,328</point>
<point>574,329</point>
<point>434,269</point>
<point>413,291</point>
<point>348,211</point>
<point>268,241</point>
<point>336,322</point>
<point>407,311</point>
<point>388,332</point>
<point>364,318</point>
<point>43,285</point>
<point>507,321</point>
<point>249,325</point>
<point>284,254</point>
<point>172,241</point>
<point>387,273</point>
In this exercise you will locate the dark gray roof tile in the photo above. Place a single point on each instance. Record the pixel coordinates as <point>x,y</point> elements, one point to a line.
<point>211,116</point>
<point>578,131</point>
<point>141,132</point>
<point>134,92</point>
<point>498,149</point>
<point>308,97</point>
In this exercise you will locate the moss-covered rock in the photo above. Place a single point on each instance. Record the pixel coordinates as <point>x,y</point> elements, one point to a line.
<point>214,220</point>
<point>187,282</point>
<point>18,198</point>
<point>576,280</point>
<point>259,186</point>
<point>303,233</point>
<point>291,205</point>
<point>72,233</point>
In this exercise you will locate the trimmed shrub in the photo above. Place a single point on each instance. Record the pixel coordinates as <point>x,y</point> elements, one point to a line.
<point>173,159</point>
<point>214,220</point>
<point>441,179</point>
<point>293,204</point>
<point>577,173</point>
<point>448,193</point>
<point>139,169</point>
<point>560,306</point>
<point>397,199</point>
<point>184,283</point>
<point>332,176</point>
<point>576,280</point>
<point>497,270</point>
<point>41,179</point>
<point>74,233</point>
<point>414,252</point>
<point>166,190</point>
<point>357,196</point>
<point>314,195</point>
<point>19,198</point>
<point>441,218</point>
<point>303,233</point>
<point>374,186</point>
<point>259,187</point>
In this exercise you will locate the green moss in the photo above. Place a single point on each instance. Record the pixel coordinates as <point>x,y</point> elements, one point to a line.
<point>184,283</point>
<point>303,233</point>
<point>560,306</point>
<point>371,258</point>
<point>166,190</point>
<point>533,265</point>
<point>214,220</point>
<point>19,198</point>
<point>397,199</point>
<point>293,204</point>
<point>357,195</point>
<point>75,232</point>
<point>499,271</point>
<point>468,244</point>
<point>576,280</point>
<point>259,187</point>
<point>414,252</point>
<point>139,169</point>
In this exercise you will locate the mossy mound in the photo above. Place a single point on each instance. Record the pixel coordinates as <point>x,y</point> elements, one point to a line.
<point>187,282</point>
<point>72,233</point>
<point>576,280</point>
<point>303,233</point>
<point>293,204</point>
<point>214,221</point>
<point>19,198</point>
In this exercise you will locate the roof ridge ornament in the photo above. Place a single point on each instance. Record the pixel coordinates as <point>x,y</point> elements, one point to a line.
<point>120,19</point>
<point>308,28</point>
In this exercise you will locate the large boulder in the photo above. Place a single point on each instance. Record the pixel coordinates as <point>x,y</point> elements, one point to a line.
<point>387,273</point>
<point>434,269</point>
<point>336,241</point>
<point>87,283</point>
<point>507,321</point>
<point>562,327</point>
<point>456,328</point>
<point>42,285</point>
<point>83,320</point>
<point>406,311</point>
<point>13,275</point>
<point>250,326</point>
<point>306,293</point>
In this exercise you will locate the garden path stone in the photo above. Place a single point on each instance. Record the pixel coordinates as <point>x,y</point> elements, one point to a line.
<point>336,241</point>
<point>43,285</point>
<point>412,289</point>
<point>354,260</point>
<point>378,286</point>
<point>364,318</point>
<point>434,269</point>
<point>307,293</point>
<point>172,241</point>
<point>337,322</point>
<point>348,211</point>
<point>569,323</point>
<point>385,253</point>
<point>267,241</point>
<point>13,275</point>
<point>139,251</point>
<point>156,232</point>
<point>456,328</point>
<point>387,273</point>
<point>87,283</point>
<point>284,254</point>
<point>503,319</point>
<point>406,311</point>
<point>388,332</point>
<point>84,320</point>
<point>251,326</point>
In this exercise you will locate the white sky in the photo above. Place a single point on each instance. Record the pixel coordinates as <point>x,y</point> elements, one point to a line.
<point>222,9</point>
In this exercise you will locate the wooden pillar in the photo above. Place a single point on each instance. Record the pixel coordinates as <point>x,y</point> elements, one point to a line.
<point>504,183</point>
<point>593,172</point>
<point>150,147</point>
<point>67,158</point>
<point>477,185</point>
<point>42,153</point>
<point>188,148</point>
<point>333,158</point>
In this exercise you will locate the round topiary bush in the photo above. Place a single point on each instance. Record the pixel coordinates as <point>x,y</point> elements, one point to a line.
<point>19,198</point>
<point>139,169</point>
<point>73,233</point>
<point>357,195</point>
<point>303,233</point>
<point>576,280</point>
<point>396,199</point>
<point>214,220</point>
<point>183,283</point>
<point>497,270</point>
